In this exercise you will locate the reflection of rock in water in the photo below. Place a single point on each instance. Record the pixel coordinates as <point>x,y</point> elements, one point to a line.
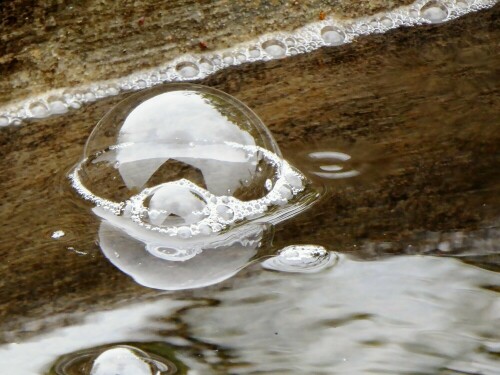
<point>172,226</point>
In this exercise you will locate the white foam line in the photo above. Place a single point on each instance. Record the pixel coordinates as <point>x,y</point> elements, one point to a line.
<point>329,32</point>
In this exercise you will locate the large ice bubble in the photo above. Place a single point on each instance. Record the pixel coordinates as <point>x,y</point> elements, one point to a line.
<point>186,179</point>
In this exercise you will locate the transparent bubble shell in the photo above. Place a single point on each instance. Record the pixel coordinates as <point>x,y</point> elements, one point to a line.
<point>182,168</point>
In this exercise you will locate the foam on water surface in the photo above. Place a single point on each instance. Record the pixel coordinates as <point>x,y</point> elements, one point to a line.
<point>328,32</point>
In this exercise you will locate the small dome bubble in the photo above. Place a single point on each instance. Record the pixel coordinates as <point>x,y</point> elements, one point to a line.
<point>89,97</point>
<point>386,22</point>
<point>4,121</point>
<point>206,64</point>
<point>181,171</point>
<point>178,132</point>
<point>301,259</point>
<point>241,57</point>
<point>228,58</point>
<point>274,48</point>
<point>57,105</point>
<point>187,69</point>
<point>254,52</point>
<point>434,11</point>
<point>39,109</point>
<point>332,35</point>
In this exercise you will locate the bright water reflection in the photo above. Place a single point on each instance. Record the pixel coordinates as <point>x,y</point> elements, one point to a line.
<point>404,315</point>
<point>407,314</point>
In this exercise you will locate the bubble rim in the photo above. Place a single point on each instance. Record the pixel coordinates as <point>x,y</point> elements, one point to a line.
<point>134,206</point>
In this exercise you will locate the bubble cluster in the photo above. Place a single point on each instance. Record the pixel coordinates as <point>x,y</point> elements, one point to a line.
<point>301,259</point>
<point>329,32</point>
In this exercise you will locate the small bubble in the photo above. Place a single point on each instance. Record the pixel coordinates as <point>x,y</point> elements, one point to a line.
<point>184,232</point>
<point>241,57</point>
<point>56,105</point>
<point>89,97</point>
<point>225,212</point>
<point>216,60</point>
<point>123,361</point>
<point>254,52</point>
<point>413,13</point>
<point>205,229</point>
<point>39,109</point>
<point>285,192</point>
<point>386,21</point>
<point>290,42</point>
<point>58,234</point>
<point>434,11</point>
<point>332,35</point>
<point>228,58</point>
<point>206,64</point>
<point>462,4</point>
<point>274,48</point>
<point>294,180</point>
<point>187,69</point>
<point>4,121</point>
<point>301,259</point>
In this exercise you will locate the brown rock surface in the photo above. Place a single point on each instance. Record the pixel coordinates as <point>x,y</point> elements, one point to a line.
<point>416,108</point>
<point>65,43</point>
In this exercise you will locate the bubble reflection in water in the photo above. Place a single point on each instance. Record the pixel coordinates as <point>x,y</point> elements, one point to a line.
<point>113,360</point>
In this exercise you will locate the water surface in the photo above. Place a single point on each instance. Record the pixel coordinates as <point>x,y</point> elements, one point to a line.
<point>413,112</point>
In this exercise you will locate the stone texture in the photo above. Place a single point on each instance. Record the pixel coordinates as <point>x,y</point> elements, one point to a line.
<point>64,43</point>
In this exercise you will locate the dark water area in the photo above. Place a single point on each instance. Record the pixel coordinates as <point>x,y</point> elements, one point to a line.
<point>401,134</point>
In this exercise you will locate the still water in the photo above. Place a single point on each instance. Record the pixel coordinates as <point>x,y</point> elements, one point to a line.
<point>373,249</point>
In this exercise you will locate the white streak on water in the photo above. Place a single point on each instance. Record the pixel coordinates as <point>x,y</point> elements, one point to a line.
<point>330,32</point>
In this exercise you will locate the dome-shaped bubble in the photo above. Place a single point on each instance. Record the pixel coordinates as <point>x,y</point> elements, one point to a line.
<point>114,360</point>
<point>177,132</point>
<point>178,174</point>
<point>123,361</point>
